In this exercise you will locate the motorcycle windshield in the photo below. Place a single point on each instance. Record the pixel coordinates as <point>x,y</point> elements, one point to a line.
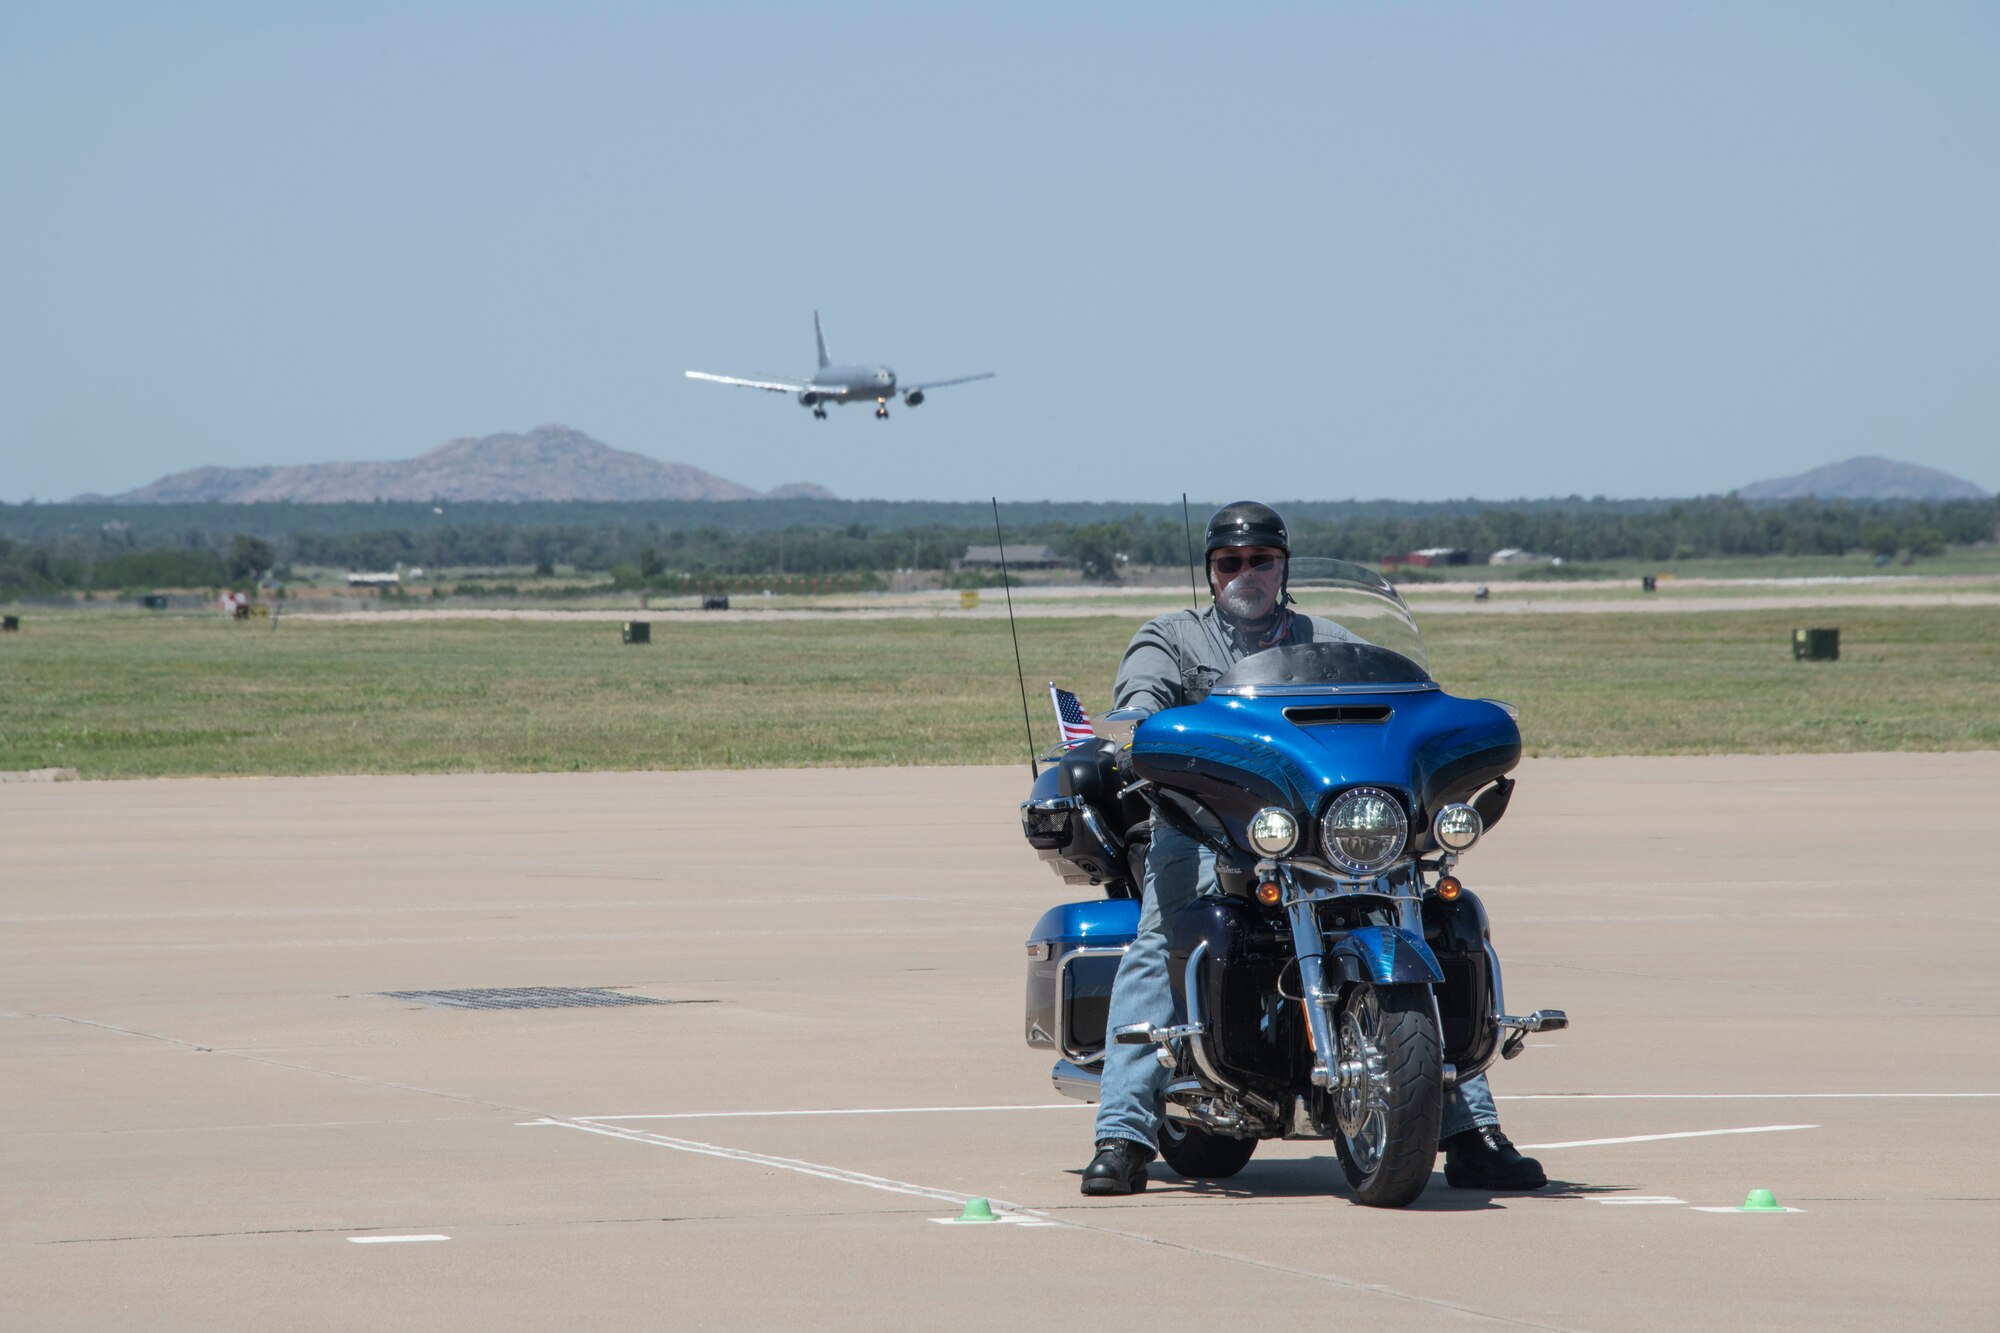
<point>1371,641</point>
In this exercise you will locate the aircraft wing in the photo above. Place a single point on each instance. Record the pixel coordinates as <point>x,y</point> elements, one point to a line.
<point>945,384</point>
<point>775,386</point>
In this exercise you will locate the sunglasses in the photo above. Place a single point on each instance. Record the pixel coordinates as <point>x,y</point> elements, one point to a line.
<point>1230,564</point>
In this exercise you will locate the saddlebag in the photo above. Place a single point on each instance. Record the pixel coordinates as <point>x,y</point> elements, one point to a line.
<point>1073,954</point>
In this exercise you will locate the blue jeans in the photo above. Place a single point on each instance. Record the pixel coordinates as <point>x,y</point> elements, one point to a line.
<point>1129,1098</point>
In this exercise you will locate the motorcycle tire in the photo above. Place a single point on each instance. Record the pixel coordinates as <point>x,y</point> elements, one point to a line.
<point>1195,1153</point>
<point>1386,1119</point>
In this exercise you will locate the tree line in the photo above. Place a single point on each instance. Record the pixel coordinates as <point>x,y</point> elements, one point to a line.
<point>630,553</point>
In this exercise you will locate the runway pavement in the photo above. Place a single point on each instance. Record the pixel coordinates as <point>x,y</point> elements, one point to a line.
<point>1780,970</point>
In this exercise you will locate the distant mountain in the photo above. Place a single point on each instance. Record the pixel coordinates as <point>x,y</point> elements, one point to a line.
<point>548,463</point>
<point>1869,478</point>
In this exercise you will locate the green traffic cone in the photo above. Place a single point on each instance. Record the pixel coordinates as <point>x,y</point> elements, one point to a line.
<point>979,1210</point>
<point>1761,1201</point>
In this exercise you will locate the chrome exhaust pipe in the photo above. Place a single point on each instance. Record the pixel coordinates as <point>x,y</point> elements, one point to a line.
<point>1075,1082</point>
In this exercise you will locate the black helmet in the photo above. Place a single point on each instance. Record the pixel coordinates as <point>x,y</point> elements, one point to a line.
<point>1247,523</point>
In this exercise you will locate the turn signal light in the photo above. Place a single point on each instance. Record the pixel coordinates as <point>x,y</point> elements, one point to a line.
<point>1267,893</point>
<point>1448,888</point>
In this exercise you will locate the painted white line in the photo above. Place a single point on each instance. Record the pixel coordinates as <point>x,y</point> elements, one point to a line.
<point>1654,1138</point>
<point>389,1240</point>
<point>1724,1096</point>
<point>1643,1200</point>
<point>1015,1218</point>
<point>1037,1218</point>
<point>835,1173</point>
<point>1740,1209</point>
<point>867,1110</point>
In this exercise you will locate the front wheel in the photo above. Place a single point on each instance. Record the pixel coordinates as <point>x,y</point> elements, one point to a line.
<point>1198,1154</point>
<point>1389,1094</point>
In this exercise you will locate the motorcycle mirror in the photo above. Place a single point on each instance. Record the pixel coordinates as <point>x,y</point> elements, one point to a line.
<point>1117,725</point>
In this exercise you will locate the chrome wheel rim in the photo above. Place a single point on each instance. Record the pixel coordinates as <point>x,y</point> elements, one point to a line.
<point>1361,1093</point>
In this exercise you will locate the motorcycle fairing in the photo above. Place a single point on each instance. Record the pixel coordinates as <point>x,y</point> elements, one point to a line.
<point>1454,764</point>
<point>1384,955</point>
<point>1468,999</point>
<point>1241,754</point>
<point>1252,1034</point>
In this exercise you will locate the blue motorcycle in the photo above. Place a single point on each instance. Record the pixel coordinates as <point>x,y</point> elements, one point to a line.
<point>1340,977</point>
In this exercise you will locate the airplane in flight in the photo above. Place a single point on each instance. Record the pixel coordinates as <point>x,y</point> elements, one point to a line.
<point>841,384</point>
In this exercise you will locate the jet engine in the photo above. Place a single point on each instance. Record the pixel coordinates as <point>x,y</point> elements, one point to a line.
<point>914,398</point>
<point>808,400</point>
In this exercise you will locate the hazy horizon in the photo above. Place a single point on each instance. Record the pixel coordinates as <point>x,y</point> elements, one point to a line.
<point>1539,250</point>
<point>88,497</point>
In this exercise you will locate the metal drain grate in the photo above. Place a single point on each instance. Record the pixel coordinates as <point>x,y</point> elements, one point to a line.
<point>523,997</point>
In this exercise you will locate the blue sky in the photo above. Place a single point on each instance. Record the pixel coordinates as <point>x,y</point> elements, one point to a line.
<point>1328,251</point>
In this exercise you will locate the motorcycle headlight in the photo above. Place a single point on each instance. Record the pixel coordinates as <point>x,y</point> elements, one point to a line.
<point>1457,827</point>
<point>1273,832</point>
<point>1364,830</point>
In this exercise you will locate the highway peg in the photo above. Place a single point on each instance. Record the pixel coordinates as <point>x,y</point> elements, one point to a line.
<point>981,1210</point>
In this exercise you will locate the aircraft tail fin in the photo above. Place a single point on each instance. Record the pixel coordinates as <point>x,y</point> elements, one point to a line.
<point>820,338</point>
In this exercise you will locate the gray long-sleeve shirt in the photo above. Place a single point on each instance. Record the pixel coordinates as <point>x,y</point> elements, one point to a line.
<point>1187,650</point>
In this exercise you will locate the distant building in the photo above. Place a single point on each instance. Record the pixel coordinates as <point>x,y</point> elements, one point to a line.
<point>1431,556</point>
<point>1514,555</point>
<point>1018,557</point>
<point>374,580</point>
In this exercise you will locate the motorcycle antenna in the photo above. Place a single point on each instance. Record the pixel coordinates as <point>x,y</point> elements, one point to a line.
<point>1005,582</point>
<point>1194,598</point>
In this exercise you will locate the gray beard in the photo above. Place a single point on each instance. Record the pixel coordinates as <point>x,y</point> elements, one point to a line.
<point>1240,604</point>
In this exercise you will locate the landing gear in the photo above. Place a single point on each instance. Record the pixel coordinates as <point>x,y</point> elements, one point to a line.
<point>820,412</point>
<point>881,409</point>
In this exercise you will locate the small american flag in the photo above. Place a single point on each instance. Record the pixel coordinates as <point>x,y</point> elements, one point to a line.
<point>1070,717</point>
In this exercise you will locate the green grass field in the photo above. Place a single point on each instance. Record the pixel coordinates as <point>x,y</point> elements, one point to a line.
<point>140,696</point>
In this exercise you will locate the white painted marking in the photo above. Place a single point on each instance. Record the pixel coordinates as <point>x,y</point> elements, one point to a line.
<point>1643,1200</point>
<point>1722,1096</point>
<point>390,1240</point>
<point>1015,1218</point>
<point>1654,1138</point>
<point>902,1187</point>
<point>867,1110</point>
<point>1740,1209</point>
<point>835,1173</point>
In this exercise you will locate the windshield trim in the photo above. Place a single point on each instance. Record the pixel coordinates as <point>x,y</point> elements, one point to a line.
<point>1299,691</point>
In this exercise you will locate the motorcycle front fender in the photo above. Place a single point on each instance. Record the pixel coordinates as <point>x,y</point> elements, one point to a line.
<point>1383,955</point>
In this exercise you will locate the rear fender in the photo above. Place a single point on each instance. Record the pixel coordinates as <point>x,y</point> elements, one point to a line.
<point>1383,955</point>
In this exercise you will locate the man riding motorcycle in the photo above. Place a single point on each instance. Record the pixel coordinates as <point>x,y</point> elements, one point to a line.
<point>1170,660</point>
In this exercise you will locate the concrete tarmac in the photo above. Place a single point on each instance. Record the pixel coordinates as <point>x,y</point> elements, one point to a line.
<point>1780,970</point>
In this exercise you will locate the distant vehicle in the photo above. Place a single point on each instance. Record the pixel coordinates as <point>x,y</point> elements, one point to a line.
<point>841,384</point>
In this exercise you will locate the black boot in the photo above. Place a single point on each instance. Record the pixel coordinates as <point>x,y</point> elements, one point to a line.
<point>1483,1159</point>
<point>1118,1168</point>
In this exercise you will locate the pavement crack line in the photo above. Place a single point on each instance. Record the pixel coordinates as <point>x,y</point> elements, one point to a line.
<point>1926,1006</point>
<point>372,1230</point>
<point>957,1199</point>
<point>459,1097</point>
